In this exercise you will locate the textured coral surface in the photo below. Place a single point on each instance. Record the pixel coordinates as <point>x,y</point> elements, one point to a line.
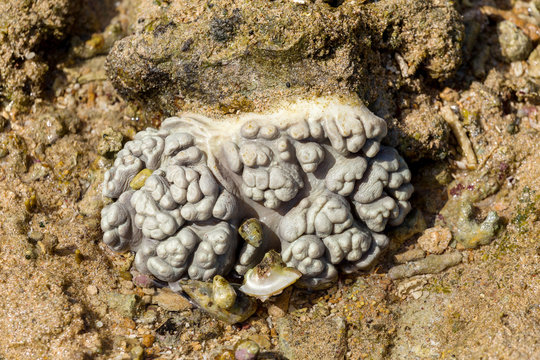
<point>314,172</point>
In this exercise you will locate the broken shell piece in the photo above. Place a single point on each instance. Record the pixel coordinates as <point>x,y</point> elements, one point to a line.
<point>251,231</point>
<point>224,294</point>
<point>269,278</point>
<point>202,293</point>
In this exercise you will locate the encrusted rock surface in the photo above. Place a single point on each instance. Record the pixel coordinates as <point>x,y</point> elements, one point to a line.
<point>229,56</point>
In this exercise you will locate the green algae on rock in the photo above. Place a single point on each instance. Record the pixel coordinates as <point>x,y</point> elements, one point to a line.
<point>457,215</point>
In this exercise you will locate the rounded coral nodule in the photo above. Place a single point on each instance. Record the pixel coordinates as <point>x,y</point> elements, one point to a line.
<point>314,173</point>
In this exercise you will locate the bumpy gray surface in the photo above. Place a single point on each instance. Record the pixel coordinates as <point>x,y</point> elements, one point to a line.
<point>314,173</point>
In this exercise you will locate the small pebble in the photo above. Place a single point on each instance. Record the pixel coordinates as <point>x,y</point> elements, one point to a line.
<point>261,340</point>
<point>48,244</point>
<point>143,281</point>
<point>139,179</point>
<point>148,340</point>
<point>137,352</point>
<point>92,290</point>
<point>534,63</point>
<point>35,236</point>
<point>435,240</point>
<point>515,45</point>
<point>110,143</point>
<point>170,301</point>
<point>246,350</point>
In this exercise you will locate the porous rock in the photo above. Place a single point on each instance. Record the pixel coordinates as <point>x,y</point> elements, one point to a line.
<point>26,27</point>
<point>238,55</point>
<point>435,240</point>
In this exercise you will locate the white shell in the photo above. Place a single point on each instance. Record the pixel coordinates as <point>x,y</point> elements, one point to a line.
<point>272,285</point>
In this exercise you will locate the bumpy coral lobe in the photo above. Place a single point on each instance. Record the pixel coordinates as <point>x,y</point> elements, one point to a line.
<point>314,173</point>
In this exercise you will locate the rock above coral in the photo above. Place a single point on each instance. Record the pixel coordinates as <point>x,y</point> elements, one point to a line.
<point>239,55</point>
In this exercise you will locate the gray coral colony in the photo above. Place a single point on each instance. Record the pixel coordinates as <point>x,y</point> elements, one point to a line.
<point>314,173</point>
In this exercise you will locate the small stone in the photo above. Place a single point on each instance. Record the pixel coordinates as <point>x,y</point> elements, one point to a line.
<point>143,281</point>
<point>38,171</point>
<point>410,255</point>
<point>35,236</point>
<point>276,311</point>
<point>137,352</point>
<point>150,316</point>
<point>147,340</point>
<point>129,324</point>
<point>280,305</point>
<point>126,275</point>
<point>48,244</point>
<point>322,338</point>
<point>534,63</point>
<point>91,290</point>
<point>432,264</point>
<point>110,143</point>
<point>515,45</point>
<point>246,350</point>
<point>126,284</point>
<point>435,240</point>
<point>170,301</point>
<point>261,340</point>
<point>3,122</point>
<point>127,305</point>
<point>408,287</point>
<point>53,128</point>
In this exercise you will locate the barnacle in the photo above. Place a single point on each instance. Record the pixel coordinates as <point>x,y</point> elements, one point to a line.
<point>314,173</point>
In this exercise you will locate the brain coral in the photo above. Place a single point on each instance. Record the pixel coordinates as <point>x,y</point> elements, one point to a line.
<point>314,173</point>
